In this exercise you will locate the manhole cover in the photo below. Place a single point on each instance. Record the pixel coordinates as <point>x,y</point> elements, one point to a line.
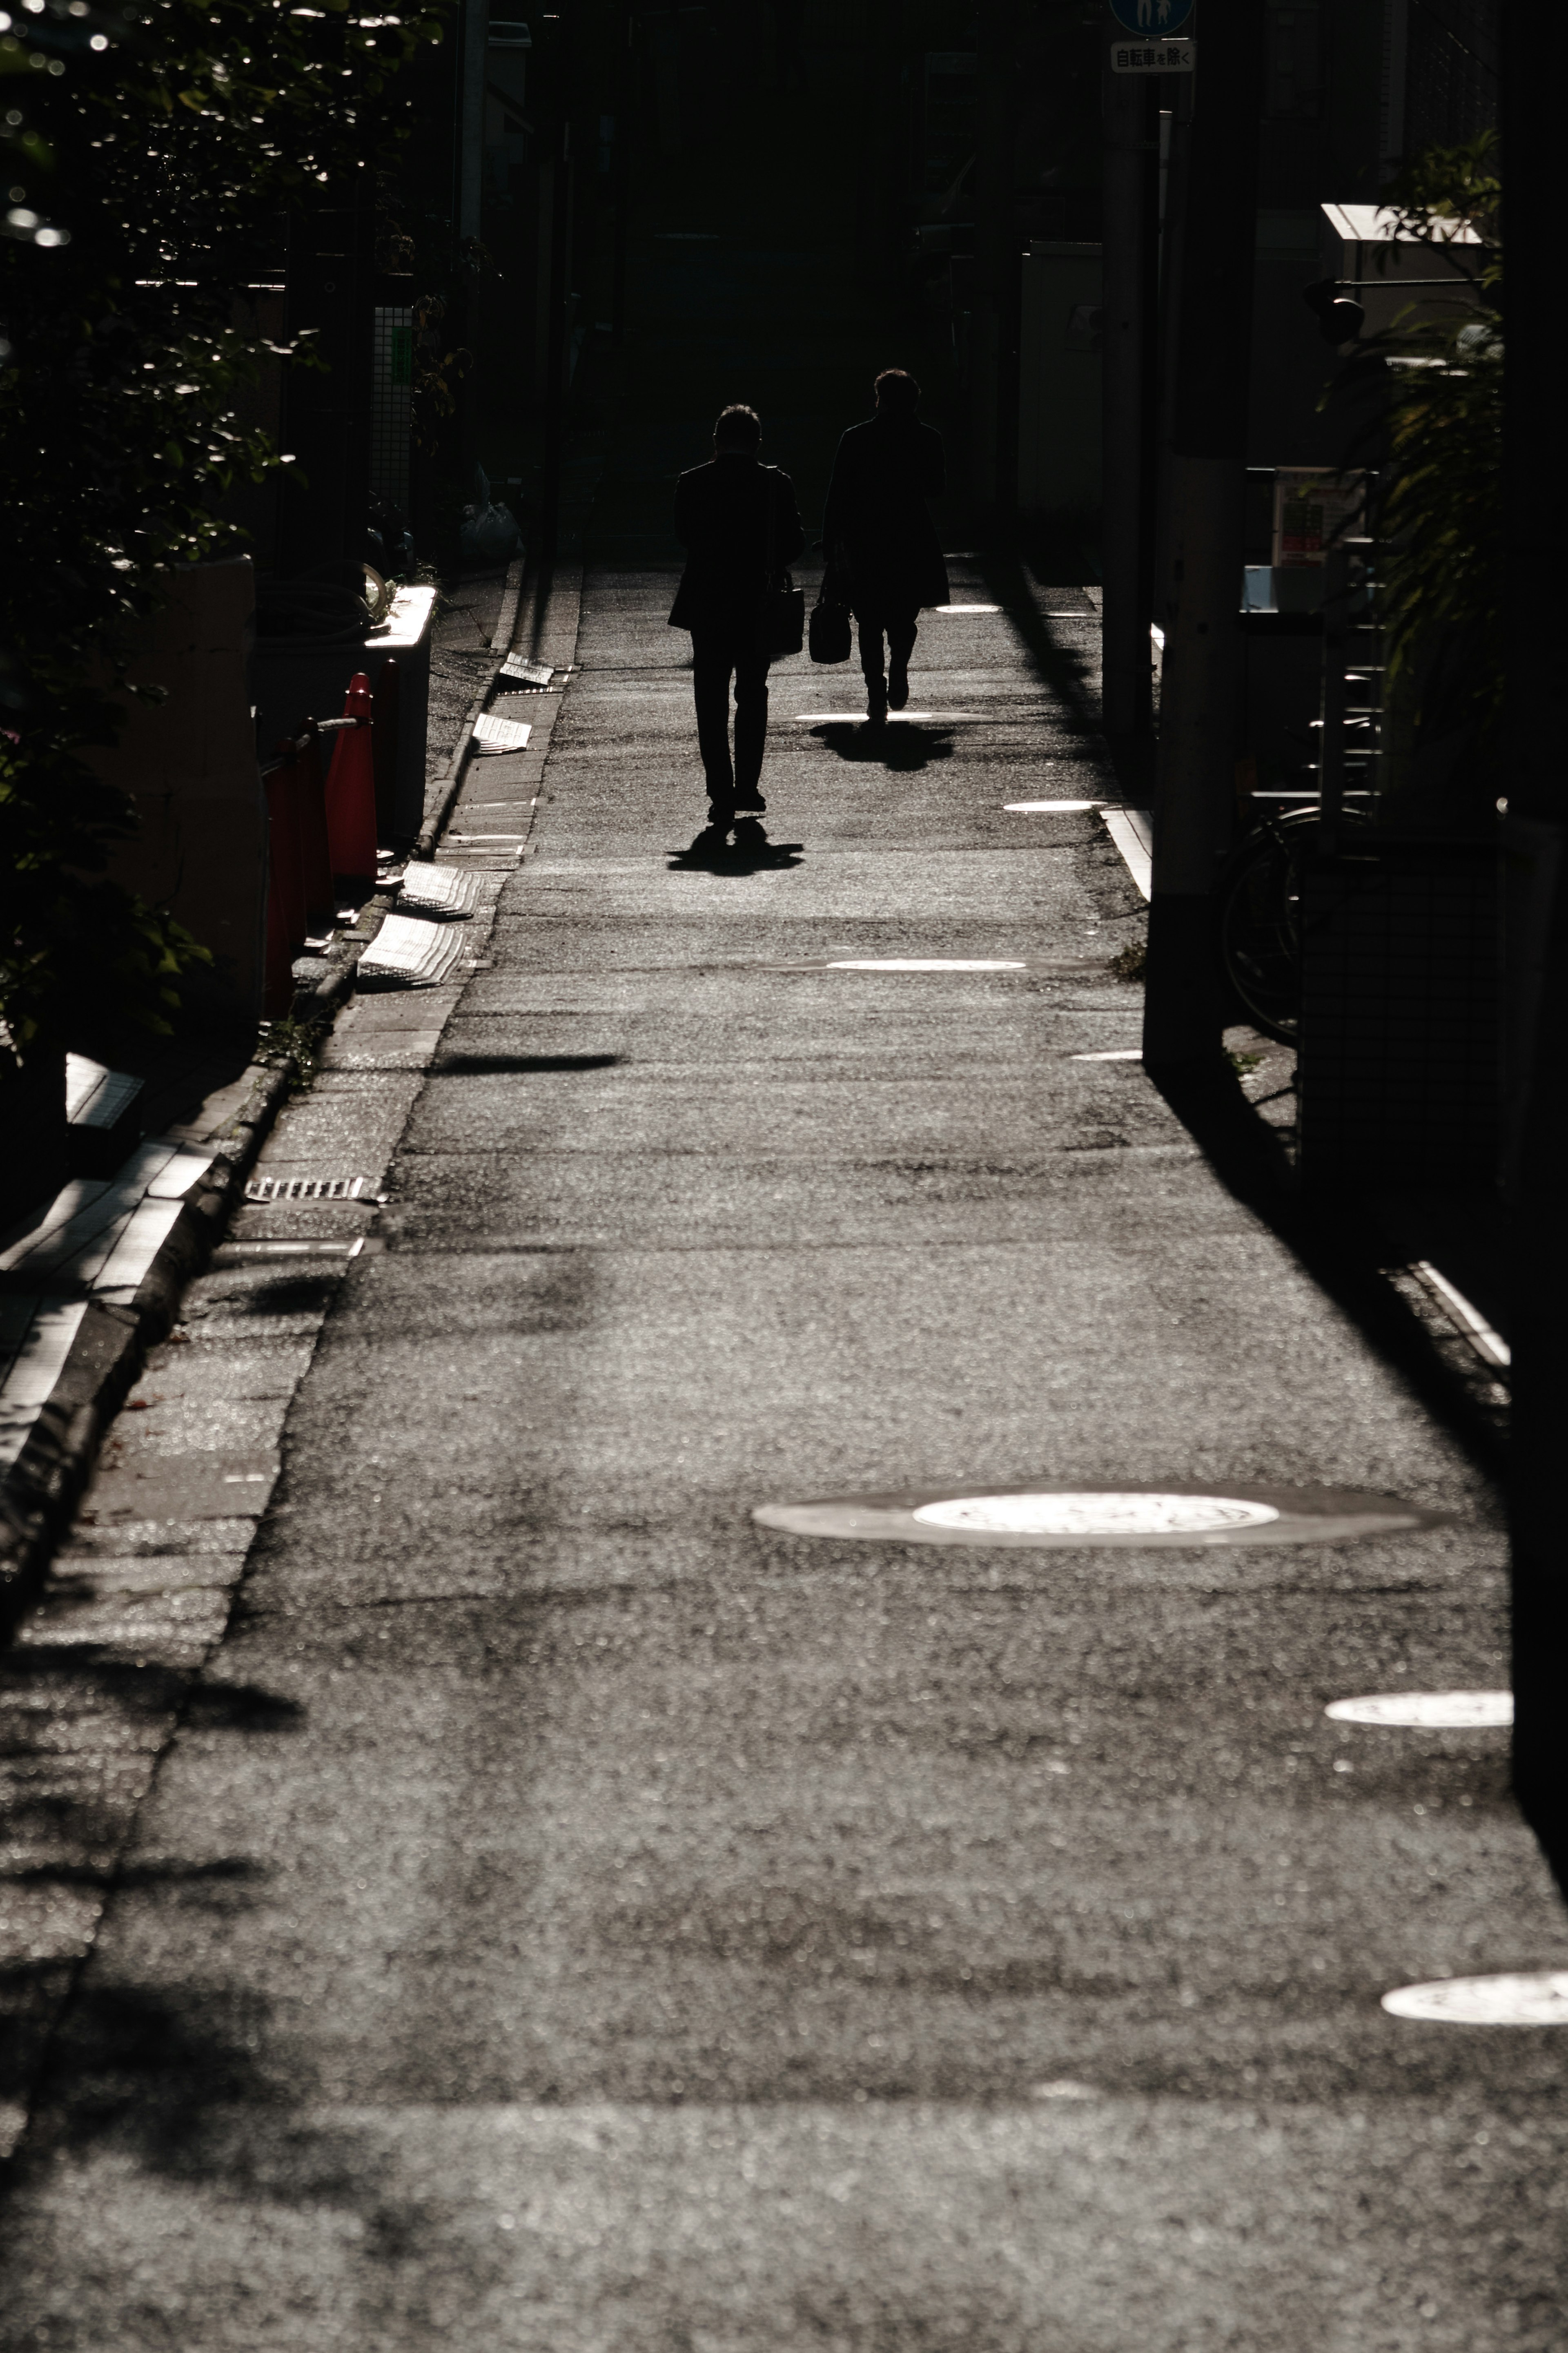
<point>1462,1711</point>
<point>1094,1514</point>
<point>1050,1515</point>
<point>1537,2001</point>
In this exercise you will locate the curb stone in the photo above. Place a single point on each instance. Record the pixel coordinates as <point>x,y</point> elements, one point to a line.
<point>450,778</point>
<point>40,1491</point>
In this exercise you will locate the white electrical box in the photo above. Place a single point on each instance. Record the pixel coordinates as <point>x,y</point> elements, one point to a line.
<point>1385,269</point>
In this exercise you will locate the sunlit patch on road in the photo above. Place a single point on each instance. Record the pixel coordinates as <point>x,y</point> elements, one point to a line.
<point>1539,2000</point>
<point>1459,1710</point>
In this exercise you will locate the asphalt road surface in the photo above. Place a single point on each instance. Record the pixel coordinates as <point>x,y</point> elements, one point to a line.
<point>486,1891</point>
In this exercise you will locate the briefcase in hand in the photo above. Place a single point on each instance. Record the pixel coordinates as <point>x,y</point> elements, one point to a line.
<point>781,624</point>
<point>829,629</point>
<point>781,617</point>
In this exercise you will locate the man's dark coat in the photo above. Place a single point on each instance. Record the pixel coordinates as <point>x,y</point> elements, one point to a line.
<point>877,524</point>
<point>721,519</point>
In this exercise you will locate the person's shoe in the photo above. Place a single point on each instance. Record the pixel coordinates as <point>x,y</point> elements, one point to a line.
<point>876,702</point>
<point>898,685</point>
<point>722,814</point>
<point>749,802</point>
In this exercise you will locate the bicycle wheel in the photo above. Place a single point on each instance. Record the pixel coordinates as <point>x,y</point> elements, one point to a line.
<point>1259,898</point>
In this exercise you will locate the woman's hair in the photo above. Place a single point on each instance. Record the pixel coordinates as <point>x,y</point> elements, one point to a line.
<point>897,391</point>
<point>739,427</point>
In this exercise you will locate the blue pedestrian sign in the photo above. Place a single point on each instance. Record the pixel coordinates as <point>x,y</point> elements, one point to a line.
<point>1152,19</point>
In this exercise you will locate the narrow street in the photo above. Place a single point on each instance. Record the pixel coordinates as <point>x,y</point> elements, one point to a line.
<point>781,1658</point>
<point>524,1902</point>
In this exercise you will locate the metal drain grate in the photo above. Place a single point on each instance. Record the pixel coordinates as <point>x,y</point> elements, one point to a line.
<point>305,1188</point>
<point>443,888</point>
<point>493,734</point>
<point>406,949</point>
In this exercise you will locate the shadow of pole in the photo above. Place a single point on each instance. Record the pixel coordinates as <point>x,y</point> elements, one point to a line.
<point>1070,675</point>
<point>1334,1242</point>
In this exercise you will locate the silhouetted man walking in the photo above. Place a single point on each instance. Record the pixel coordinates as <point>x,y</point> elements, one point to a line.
<point>878,534</point>
<point>722,516</point>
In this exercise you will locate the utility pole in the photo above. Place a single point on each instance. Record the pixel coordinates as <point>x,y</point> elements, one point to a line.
<point>1127,267</point>
<point>997,268</point>
<point>1535,838</point>
<point>880,185</point>
<point>471,117</point>
<point>626,110</point>
<point>465,318</point>
<point>1201,689</point>
<point>555,351</point>
<point>1175,149</point>
<point>321,512</point>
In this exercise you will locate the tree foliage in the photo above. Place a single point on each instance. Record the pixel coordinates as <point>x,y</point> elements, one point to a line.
<point>1442,511</point>
<point>154,155</point>
<point>1438,513</point>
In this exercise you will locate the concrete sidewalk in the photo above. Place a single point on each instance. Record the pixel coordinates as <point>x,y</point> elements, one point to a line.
<point>564,1914</point>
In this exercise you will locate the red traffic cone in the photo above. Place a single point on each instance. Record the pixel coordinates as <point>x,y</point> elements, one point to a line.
<point>351,794</point>
<point>315,854</point>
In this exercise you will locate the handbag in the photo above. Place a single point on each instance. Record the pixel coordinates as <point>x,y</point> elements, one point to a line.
<point>781,618</point>
<point>830,622</point>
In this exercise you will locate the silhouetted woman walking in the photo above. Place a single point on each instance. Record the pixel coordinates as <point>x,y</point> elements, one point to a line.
<point>879,536</point>
<point>733,517</point>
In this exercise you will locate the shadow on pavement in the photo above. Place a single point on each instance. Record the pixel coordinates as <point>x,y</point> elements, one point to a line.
<point>750,852</point>
<point>452,1065</point>
<point>1067,672</point>
<point>1336,1241</point>
<point>84,2055</point>
<point>898,747</point>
